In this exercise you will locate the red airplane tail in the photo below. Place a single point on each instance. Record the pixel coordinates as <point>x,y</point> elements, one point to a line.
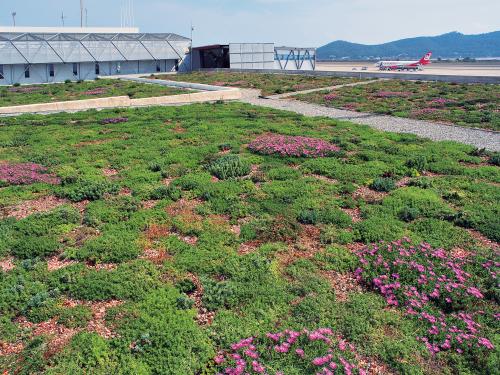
<point>426,60</point>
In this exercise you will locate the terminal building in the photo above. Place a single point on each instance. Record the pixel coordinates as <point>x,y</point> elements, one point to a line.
<point>253,56</point>
<point>44,55</point>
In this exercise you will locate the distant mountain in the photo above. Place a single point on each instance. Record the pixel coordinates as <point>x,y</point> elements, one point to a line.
<point>451,45</point>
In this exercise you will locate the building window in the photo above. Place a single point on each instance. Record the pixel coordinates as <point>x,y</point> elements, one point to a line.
<point>26,71</point>
<point>75,69</point>
<point>158,66</point>
<point>1,71</point>
<point>52,71</point>
<point>97,69</point>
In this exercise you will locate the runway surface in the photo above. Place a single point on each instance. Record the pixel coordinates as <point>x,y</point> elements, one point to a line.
<point>479,69</point>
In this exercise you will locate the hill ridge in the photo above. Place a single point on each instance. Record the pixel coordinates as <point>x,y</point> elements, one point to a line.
<point>450,45</point>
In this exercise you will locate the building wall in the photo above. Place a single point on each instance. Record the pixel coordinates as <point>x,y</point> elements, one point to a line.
<point>251,55</point>
<point>39,73</point>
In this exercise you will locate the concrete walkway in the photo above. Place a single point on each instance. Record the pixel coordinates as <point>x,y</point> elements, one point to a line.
<point>330,88</point>
<point>438,132</point>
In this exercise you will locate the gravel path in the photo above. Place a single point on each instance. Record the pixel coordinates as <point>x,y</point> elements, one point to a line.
<point>289,94</point>
<point>437,132</point>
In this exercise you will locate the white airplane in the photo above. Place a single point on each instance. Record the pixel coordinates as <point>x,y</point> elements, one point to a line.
<point>405,65</point>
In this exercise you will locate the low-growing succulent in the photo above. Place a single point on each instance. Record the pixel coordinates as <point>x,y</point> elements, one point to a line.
<point>229,166</point>
<point>383,184</point>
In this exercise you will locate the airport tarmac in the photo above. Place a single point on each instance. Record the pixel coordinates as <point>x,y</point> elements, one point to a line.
<point>479,69</point>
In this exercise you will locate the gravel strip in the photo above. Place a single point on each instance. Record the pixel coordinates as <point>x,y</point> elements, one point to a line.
<point>436,132</point>
<point>330,88</point>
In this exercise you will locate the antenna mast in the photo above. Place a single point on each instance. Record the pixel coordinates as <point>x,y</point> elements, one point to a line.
<point>63,17</point>
<point>81,13</point>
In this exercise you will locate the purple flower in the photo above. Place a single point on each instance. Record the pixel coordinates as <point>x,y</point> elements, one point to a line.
<point>258,368</point>
<point>295,146</point>
<point>26,174</point>
<point>486,343</point>
<point>475,292</point>
<point>330,97</point>
<point>115,120</point>
<point>321,361</point>
<point>300,352</point>
<point>393,94</point>
<point>96,91</point>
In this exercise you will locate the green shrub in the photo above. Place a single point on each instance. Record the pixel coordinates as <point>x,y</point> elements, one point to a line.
<point>308,216</point>
<point>283,173</point>
<point>376,229</point>
<point>422,183</point>
<point>35,247</point>
<point>495,159</point>
<point>338,259</point>
<point>184,303</point>
<point>89,353</point>
<point>41,306</point>
<point>331,234</point>
<point>411,199</point>
<point>170,340</point>
<point>409,214</point>
<point>75,317</point>
<point>129,281</point>
<point>165,192</point>
<point>49,223</point>
<point>155,166</point>
<point>112,211</point>
<point>357,318</point>
<point>439,234</point>
<point>87,190</point>
<point>34,357</point>
<point>6,235</point>
<point>419,163</point>
<point>281,228</point>
<point>336,217</point>
<point>216,295</point>
<point>185,286</point>
<point>383,184</point>
<point>229,166</point>
<point>115,246</point>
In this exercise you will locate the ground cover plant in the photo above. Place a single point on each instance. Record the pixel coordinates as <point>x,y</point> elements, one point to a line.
<point>103,88</point>
<point>232,239</point>
<point>470,105</point>
<point>269,84</point>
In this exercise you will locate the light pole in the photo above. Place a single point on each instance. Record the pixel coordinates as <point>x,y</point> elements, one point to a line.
<point>14,14</point>
<point>192,56</point>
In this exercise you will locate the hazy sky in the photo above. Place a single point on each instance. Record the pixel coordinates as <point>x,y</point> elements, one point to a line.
<point>292,22</point>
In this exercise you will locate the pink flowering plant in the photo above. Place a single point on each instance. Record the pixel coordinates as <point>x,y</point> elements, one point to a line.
<point>295,146</point>
<point>114,120</point>
<point>96,91</point>
<point>25,89</point>
<point>393,94</point>
<point>441,102</point>
<point>25,174</point>
<point>320,351</point>
<point>442,293</point>
<point>330,97</point>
